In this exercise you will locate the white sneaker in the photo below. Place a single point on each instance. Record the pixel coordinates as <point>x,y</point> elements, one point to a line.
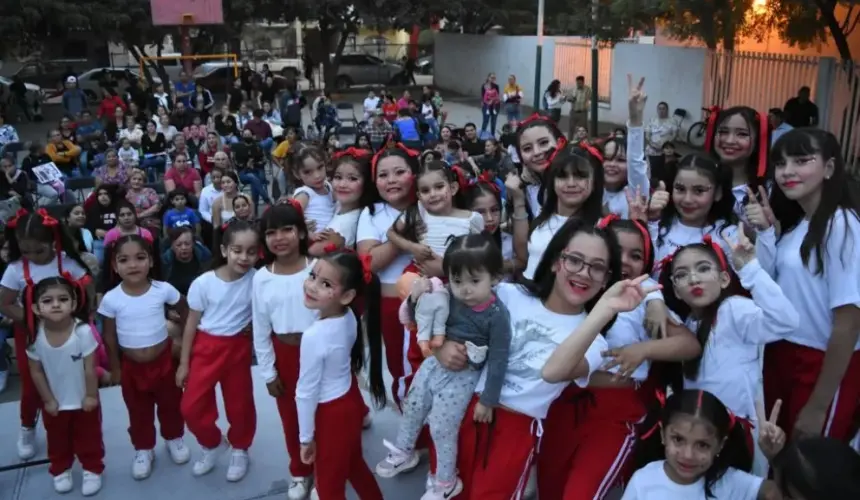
<point>26,443</point>
<point>63,482</point>
<point>299,488</point>
<point>367,421</point>
<point>207,460</point>
<point>238,465</point>
<point>431,480</point>
<point>396,462</point>
<point>4,376</point>
<point>92,484</point>
<point>443,492</point>
<point>179,453</point>
<point>141,468</point>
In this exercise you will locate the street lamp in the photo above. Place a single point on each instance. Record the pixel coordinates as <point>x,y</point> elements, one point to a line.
<point>538,55</point>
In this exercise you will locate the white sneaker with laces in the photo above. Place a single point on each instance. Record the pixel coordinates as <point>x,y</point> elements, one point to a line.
<point>299,488</point>
<point>443,491</point>
<point>238,465</point>
<point>63,482</point>
<point>396,462</point>
<point>4,376</point>
<point>179,453</point>
<point>141,468</point>
<point>92,484</point>
<point>207,461</point>
<point>26,443</point>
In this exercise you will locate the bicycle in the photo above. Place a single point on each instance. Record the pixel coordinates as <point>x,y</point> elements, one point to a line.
<point>696,133</point>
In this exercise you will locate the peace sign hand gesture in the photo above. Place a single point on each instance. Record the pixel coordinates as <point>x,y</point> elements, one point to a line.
<point>771,439</point>
<point>743,250</point>
<point>625,295</point>
<point>637,204</point>
<point>759,213</point>
<point>636,101</point>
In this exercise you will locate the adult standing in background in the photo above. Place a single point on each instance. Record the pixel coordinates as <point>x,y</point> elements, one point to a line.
<point>776,119</point>
<point>659,131</point>
<point>553,100</point>
<point>513,97</point>
<point>580,101</point>
<point>491,101</point>
<point>800,111</point>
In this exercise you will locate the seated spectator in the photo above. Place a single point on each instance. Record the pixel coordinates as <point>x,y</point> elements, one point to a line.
<point>195,135</point>
<point>222,206</point>
<point>379,130</point>
<point>206,155</point>
<point>154,147</point>
<point>110,101</point>
<point>88,128</point>
<point>406,127</point>
<point>185,259</point>
<point>14,184</point>
<point>126,223</point>
<point>129,157</point>
<point>261,130</point>
<point>225,126</point>
<point>101,216</point>
<point>112,172</point>
<point>131,131</point>
<point>180,212</point>
<point>180,118</point>
<point>182,175</point>
<point>250,163</point>
<point>63,152</point>
<point>146,201</point>
<point>67,129</point>
<point>9,142</point>
<point>179,145</point>
<point>271,115</point>
<point>166,129</point>
<point>209,194</point>
<point>76,221</point>
<point>47,194</point>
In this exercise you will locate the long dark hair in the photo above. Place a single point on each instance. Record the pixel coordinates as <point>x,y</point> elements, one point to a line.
<point>575,162</point>
<point>110,277</point>
<point>280,216</point>
<point>708,408</point>
<point>353,277</point>
<point>839,192</point>
<point>485,188</point>
<point>32,226</point>
<point>757,124</point>
<point>533,122</point>
<point>819,467</point>
<point>412,216</point>
<point>369,195</point>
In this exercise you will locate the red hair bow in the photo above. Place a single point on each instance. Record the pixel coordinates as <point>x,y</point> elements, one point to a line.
<point>661,399</point>
<point>535,117</point>
<point>721,256</point>
<point>607,220</point>
<point>366,268</point>
<point>296,205</point>
<point>488,178</point>
<point>711,128</point>
<point>13,222</point>
<point>559,147</point>
<point>330,248</point>
<point>352,152</point>
<point>593,151</point>
<point>47,220</point>
<point>396,145</point>
<point>462,182</point>
<point>665,262</point>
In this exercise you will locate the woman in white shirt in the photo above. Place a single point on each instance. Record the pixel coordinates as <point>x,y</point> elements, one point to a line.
<point>816,262</point>
<point>580,262</point>
<point>131,131</point>
<point>371,104</point>
<point>659,131</point>
<point>209,194</point>
<point>351,183</point>
<point>165,128</point>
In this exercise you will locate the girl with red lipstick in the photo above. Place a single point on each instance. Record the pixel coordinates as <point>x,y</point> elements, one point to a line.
<point>537,139</point>
<point>705,291</point>
<point>587,447</point>
<point>699,205</point>
<point>693,447</point>
<point>813,251</point>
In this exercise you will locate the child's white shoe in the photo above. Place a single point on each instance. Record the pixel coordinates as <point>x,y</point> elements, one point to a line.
<point>91,484</point>
<point>179,453</point>
<point>141,468</point>
<point>299,488</point>
<point>207,461</point>
<point>26,443</point>
<point>63,482</point>
<point>314,495</point>
<point>238,465</point>
<point>441,491</point>
<point>396,462</point>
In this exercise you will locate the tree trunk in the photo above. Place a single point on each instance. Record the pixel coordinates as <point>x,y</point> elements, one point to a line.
<point>331,64</point>
<point>827,9</point>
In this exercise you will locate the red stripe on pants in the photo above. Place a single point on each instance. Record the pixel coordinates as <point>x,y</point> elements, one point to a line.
<point>30,400</point>
<point>146,386</point>
<point>75,433</point>
<point>224,360</point>
<point>339,456</point>
<point>493,459</point>
<point>587,442</point>
<point>287,364</point>
<point>790,374</point>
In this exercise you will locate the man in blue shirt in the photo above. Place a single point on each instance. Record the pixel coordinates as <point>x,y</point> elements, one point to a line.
<point>87,127</point>
<point>776,117</point>
<point>184,89</point>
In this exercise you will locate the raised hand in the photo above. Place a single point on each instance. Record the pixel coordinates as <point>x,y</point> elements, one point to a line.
<point>743,250</point>
<point>636,100</point>
<point>759,213</point>
<point>637,204</point>
<point>659,200</point>
<point>514,185</point>
<point>626,295</point>
<point>771,439</point>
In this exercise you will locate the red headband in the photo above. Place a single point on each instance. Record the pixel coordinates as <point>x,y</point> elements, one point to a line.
<point>721,256</point>
<point>591,150</point>
<point>352,152</point>
<point>711,128</point>
<point>646,236</point>
<point>398,145</point>
<point>296,205</point>
<point>486,178</point>
<point>559,147</point>
<point>535,117</point>
<point>607,220</point>
<point>13,222</point>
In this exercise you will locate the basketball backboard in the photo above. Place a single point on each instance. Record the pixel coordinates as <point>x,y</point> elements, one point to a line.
<point>186,12</point>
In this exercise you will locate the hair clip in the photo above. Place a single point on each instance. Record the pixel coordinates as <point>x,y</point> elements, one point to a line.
<point>721,256</point>
<point>13,222</point>
<point>607,220</point>
<point>366,268</point>
<point>711,128</point>
<point>352,152</point>
<point>591,150</point>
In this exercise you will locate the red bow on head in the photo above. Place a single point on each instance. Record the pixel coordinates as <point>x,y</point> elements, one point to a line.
<point>712,125</point>
<point>330,248</point>
<point>607,220</point>
<point>366,259</point>
<point>593,151</point>
<point>13,222</point>
<point>661,398</point>
<point>664,263</point>
<point>462,182</point>
<point>397,145</point>
<point>352,152</point>
<point>487,178</point>
<point>559,147</point>
<point>296,205</point>
<point>721,256</point>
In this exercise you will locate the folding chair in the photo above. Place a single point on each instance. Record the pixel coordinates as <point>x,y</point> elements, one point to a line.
<point>346,113</point>
<point>347,134</point>
<point>78,185</point>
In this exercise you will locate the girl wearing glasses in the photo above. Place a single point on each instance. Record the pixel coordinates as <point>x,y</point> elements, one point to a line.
<point>714,301</point>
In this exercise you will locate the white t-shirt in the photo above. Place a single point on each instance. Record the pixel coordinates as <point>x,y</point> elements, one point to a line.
<point>64,365</point>
<point>13,277</point>
<point>325,367</point>
<point>320,207</point>
<point>532,191</point>
<point>346,225</point>
<point>140,320</point>
<point>629,329</point>
<point>539,240</point>
<point>226,306</point>
<point>370,106</point>
<point>535,334</point>
<point>375,227</point>
<point>815,296</point>
<point>652,483</point>
<point>441,228</point>
<point>207,198</point>
<point>680,235</point>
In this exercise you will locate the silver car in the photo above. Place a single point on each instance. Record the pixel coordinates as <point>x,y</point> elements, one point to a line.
<point>365,69</point>
<point>89,81</point>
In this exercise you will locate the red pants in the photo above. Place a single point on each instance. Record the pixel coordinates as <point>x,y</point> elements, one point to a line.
<point>75,433</point>
<point>339,456</point>
<point>287,364</point>
<point>395,347</point>
<point>225,361</point>
<point>494,460</point>
<point>145,386</point>
<point>588,437</point>
<point>30,400</point>
<point>790,374</point>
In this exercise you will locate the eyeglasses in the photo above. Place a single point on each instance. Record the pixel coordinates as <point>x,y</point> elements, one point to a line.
<point>683,277</point>
<point>574,264</point>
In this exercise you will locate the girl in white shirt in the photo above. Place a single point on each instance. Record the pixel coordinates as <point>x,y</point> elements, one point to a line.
<point>816,262</point>
<point>330,406</point>
<point>694,448</point>
<point>216,350</point>
<point>703,289</point>
<point>39,248</point>
<point>63,367</point>
<point>315,192</point>
<point>574,188</point>
<point>484,198</point>
<point>280,318</point>
<point>352,186</point>
<point>494,460</point>
<point>209,194</point>
<point>139,350</point>
<point>699,205</point>
<point>537,139</point>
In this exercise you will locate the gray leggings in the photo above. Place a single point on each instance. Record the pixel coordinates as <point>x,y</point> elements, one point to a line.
<point>440,397</point>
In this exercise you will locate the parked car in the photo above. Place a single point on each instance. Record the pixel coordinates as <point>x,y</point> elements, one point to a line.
<point>364,69</point>
<point>284,66</point>
<point>90,81</point>
<point>49,74</point>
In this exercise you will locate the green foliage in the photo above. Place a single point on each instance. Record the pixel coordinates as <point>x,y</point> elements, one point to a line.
<point>806,22</point>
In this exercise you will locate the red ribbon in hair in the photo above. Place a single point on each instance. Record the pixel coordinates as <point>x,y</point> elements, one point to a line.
<point>646,239</point>
<point>712,125</point>
<point>559,147</point>
<point>721,256</point>
<point>54,224</point>
<point>295,204</point>
<point>607,220</point>
<point>330,248</point>
<point>366,268</point>
<point>664,263</point>
<point>661,398</point>
<point>13,222</point>
<point>462,182</point>
<point>352,152</point>
<point>593,151</point>
<point>487,178</point>
<point>736,420</point>
<point>398,145</point>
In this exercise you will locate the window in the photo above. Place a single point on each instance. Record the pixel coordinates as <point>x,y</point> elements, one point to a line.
<point>354,60</point>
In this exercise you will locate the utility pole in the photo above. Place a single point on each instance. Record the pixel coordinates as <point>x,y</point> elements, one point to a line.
<point>595,59</point>
<point>538,56</point>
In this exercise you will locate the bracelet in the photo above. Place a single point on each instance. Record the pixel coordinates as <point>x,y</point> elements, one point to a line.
<point>524,216</point>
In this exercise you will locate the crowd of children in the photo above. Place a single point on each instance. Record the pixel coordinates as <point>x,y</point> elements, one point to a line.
<point>581,321</point>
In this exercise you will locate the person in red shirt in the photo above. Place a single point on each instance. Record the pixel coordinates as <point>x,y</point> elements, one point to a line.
<point>182,174</point>
<point>109,103</point>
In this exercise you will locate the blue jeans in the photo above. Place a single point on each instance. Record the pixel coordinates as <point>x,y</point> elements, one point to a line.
<point>153,166</point>
<point>229,140</point>
<point>258,190</point>
<point>512,110</point>
<point>99,251</point>
<point>489,115</point>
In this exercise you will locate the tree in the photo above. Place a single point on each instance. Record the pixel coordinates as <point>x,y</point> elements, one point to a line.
<point>616,19</point>
<point>24,24</point>
<point>479,16</point>
<point>804,22</point>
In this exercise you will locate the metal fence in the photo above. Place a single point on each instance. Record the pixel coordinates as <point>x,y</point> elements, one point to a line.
<point>573,59</point>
